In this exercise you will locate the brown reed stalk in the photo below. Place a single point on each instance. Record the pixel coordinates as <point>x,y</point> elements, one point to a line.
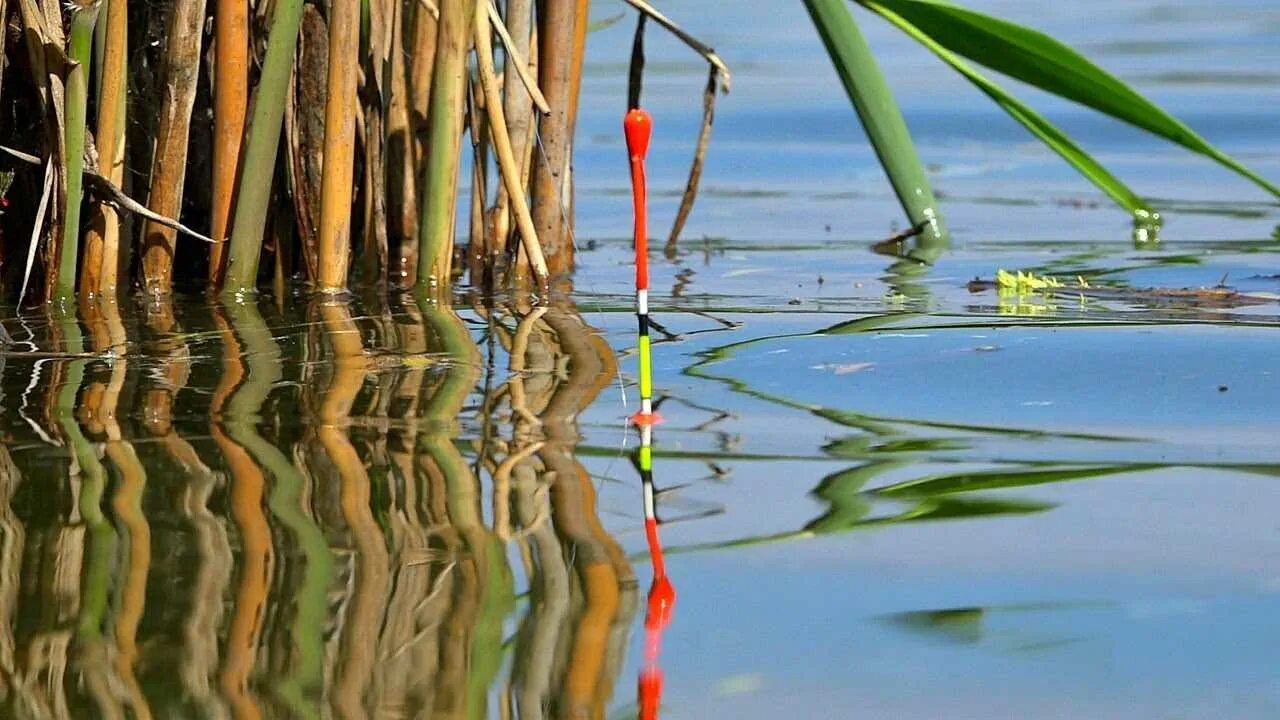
<point>399,151</point>
<point>420,47</point>
<point>517,106</point>
<point>101,257</point>
<point>375,98</point>
<point>334,238</point>
<point>169,166</point>
<point>556,30</point>
<point>230,108</point>
<point>508,169</point>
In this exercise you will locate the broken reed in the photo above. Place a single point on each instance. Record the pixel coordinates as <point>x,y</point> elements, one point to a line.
<point>373,98</point>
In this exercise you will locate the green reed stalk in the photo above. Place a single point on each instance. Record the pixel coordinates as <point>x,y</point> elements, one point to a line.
<point>879,113</point>
<point>260,152</point>
<point>83,19</point>
<point>444,142</point>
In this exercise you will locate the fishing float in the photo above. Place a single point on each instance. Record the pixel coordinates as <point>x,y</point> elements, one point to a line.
<point>638,128</point>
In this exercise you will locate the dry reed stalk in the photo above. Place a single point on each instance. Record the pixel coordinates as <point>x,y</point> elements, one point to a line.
<point>517,105</point>
<point>169,167</point>
<point>230,108</point>
<point>375,94</point>
<point>508,169</point>
<point>400,170</point>
<point>101,257</point>
<point>567,198</point>
<point>334,237</point>
<point>699,159</point>
<point>304,137</point>
<point>42,21</point>
<point>421,49</point>
<point>556,29</point>
<point>444,138</point>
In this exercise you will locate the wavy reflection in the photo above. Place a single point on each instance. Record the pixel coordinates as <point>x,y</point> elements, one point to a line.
<point>323,510</point>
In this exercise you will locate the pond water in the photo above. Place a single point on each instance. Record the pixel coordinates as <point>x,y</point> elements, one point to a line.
<point>883,494</point>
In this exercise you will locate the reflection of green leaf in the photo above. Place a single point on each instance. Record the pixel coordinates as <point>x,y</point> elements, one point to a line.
<point>1049,134</point>
<point>989,480</point>
<point>956,624</point>
<point>862,446</point>
<point>957,508</point>
<point>843,493</point>
<point>1039,60</point>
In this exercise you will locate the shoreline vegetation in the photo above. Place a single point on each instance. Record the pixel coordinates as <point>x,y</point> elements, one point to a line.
<point>318,143</point>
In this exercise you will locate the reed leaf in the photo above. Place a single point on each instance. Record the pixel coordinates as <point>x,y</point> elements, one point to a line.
<point>879,113</point>
<point>1048,133</point>
<point>1039,60</point>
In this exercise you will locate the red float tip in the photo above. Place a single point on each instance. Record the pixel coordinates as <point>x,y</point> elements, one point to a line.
<point>646,418</point>
<point>638,127</point>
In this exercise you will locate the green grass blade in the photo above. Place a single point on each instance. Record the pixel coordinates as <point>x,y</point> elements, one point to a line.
<point>1037,59</point>
<point>1048,133</point>
<point>879,113</point>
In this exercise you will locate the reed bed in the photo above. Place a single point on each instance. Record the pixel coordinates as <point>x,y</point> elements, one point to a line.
<point>226,145</point>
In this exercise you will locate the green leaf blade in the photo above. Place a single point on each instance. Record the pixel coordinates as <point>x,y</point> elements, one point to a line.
<point>1047,132</point>
<point>1037,59</point>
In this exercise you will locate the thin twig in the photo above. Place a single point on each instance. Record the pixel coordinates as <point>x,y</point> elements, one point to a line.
<point>513,58</point>
<point>695,44</point>
<point>699,159</point>
<point>115,196</point>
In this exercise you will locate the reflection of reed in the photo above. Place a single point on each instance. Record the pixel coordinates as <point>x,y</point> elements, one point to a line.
<point>12,543</point>
<point>364,613</point>
<point>348,566</point>
<point>241,404</point>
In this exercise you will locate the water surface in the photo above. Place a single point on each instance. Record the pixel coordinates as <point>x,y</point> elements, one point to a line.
<point>884,495</point>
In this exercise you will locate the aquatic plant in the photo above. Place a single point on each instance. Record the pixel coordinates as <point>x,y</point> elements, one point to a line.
<point>373,102</point>
<point>954,34</point>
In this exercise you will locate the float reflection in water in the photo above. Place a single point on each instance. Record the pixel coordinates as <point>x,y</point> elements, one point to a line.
<point>335,510</point>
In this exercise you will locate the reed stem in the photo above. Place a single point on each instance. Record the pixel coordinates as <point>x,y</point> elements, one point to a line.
<point>100,264</point>
<point>508,168</point>
<point>444,142</point>
<point>250,219</point>
<point>230,107</point>
<point>83,19</point>
<point>339,145</point>
<point>169,167</point>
